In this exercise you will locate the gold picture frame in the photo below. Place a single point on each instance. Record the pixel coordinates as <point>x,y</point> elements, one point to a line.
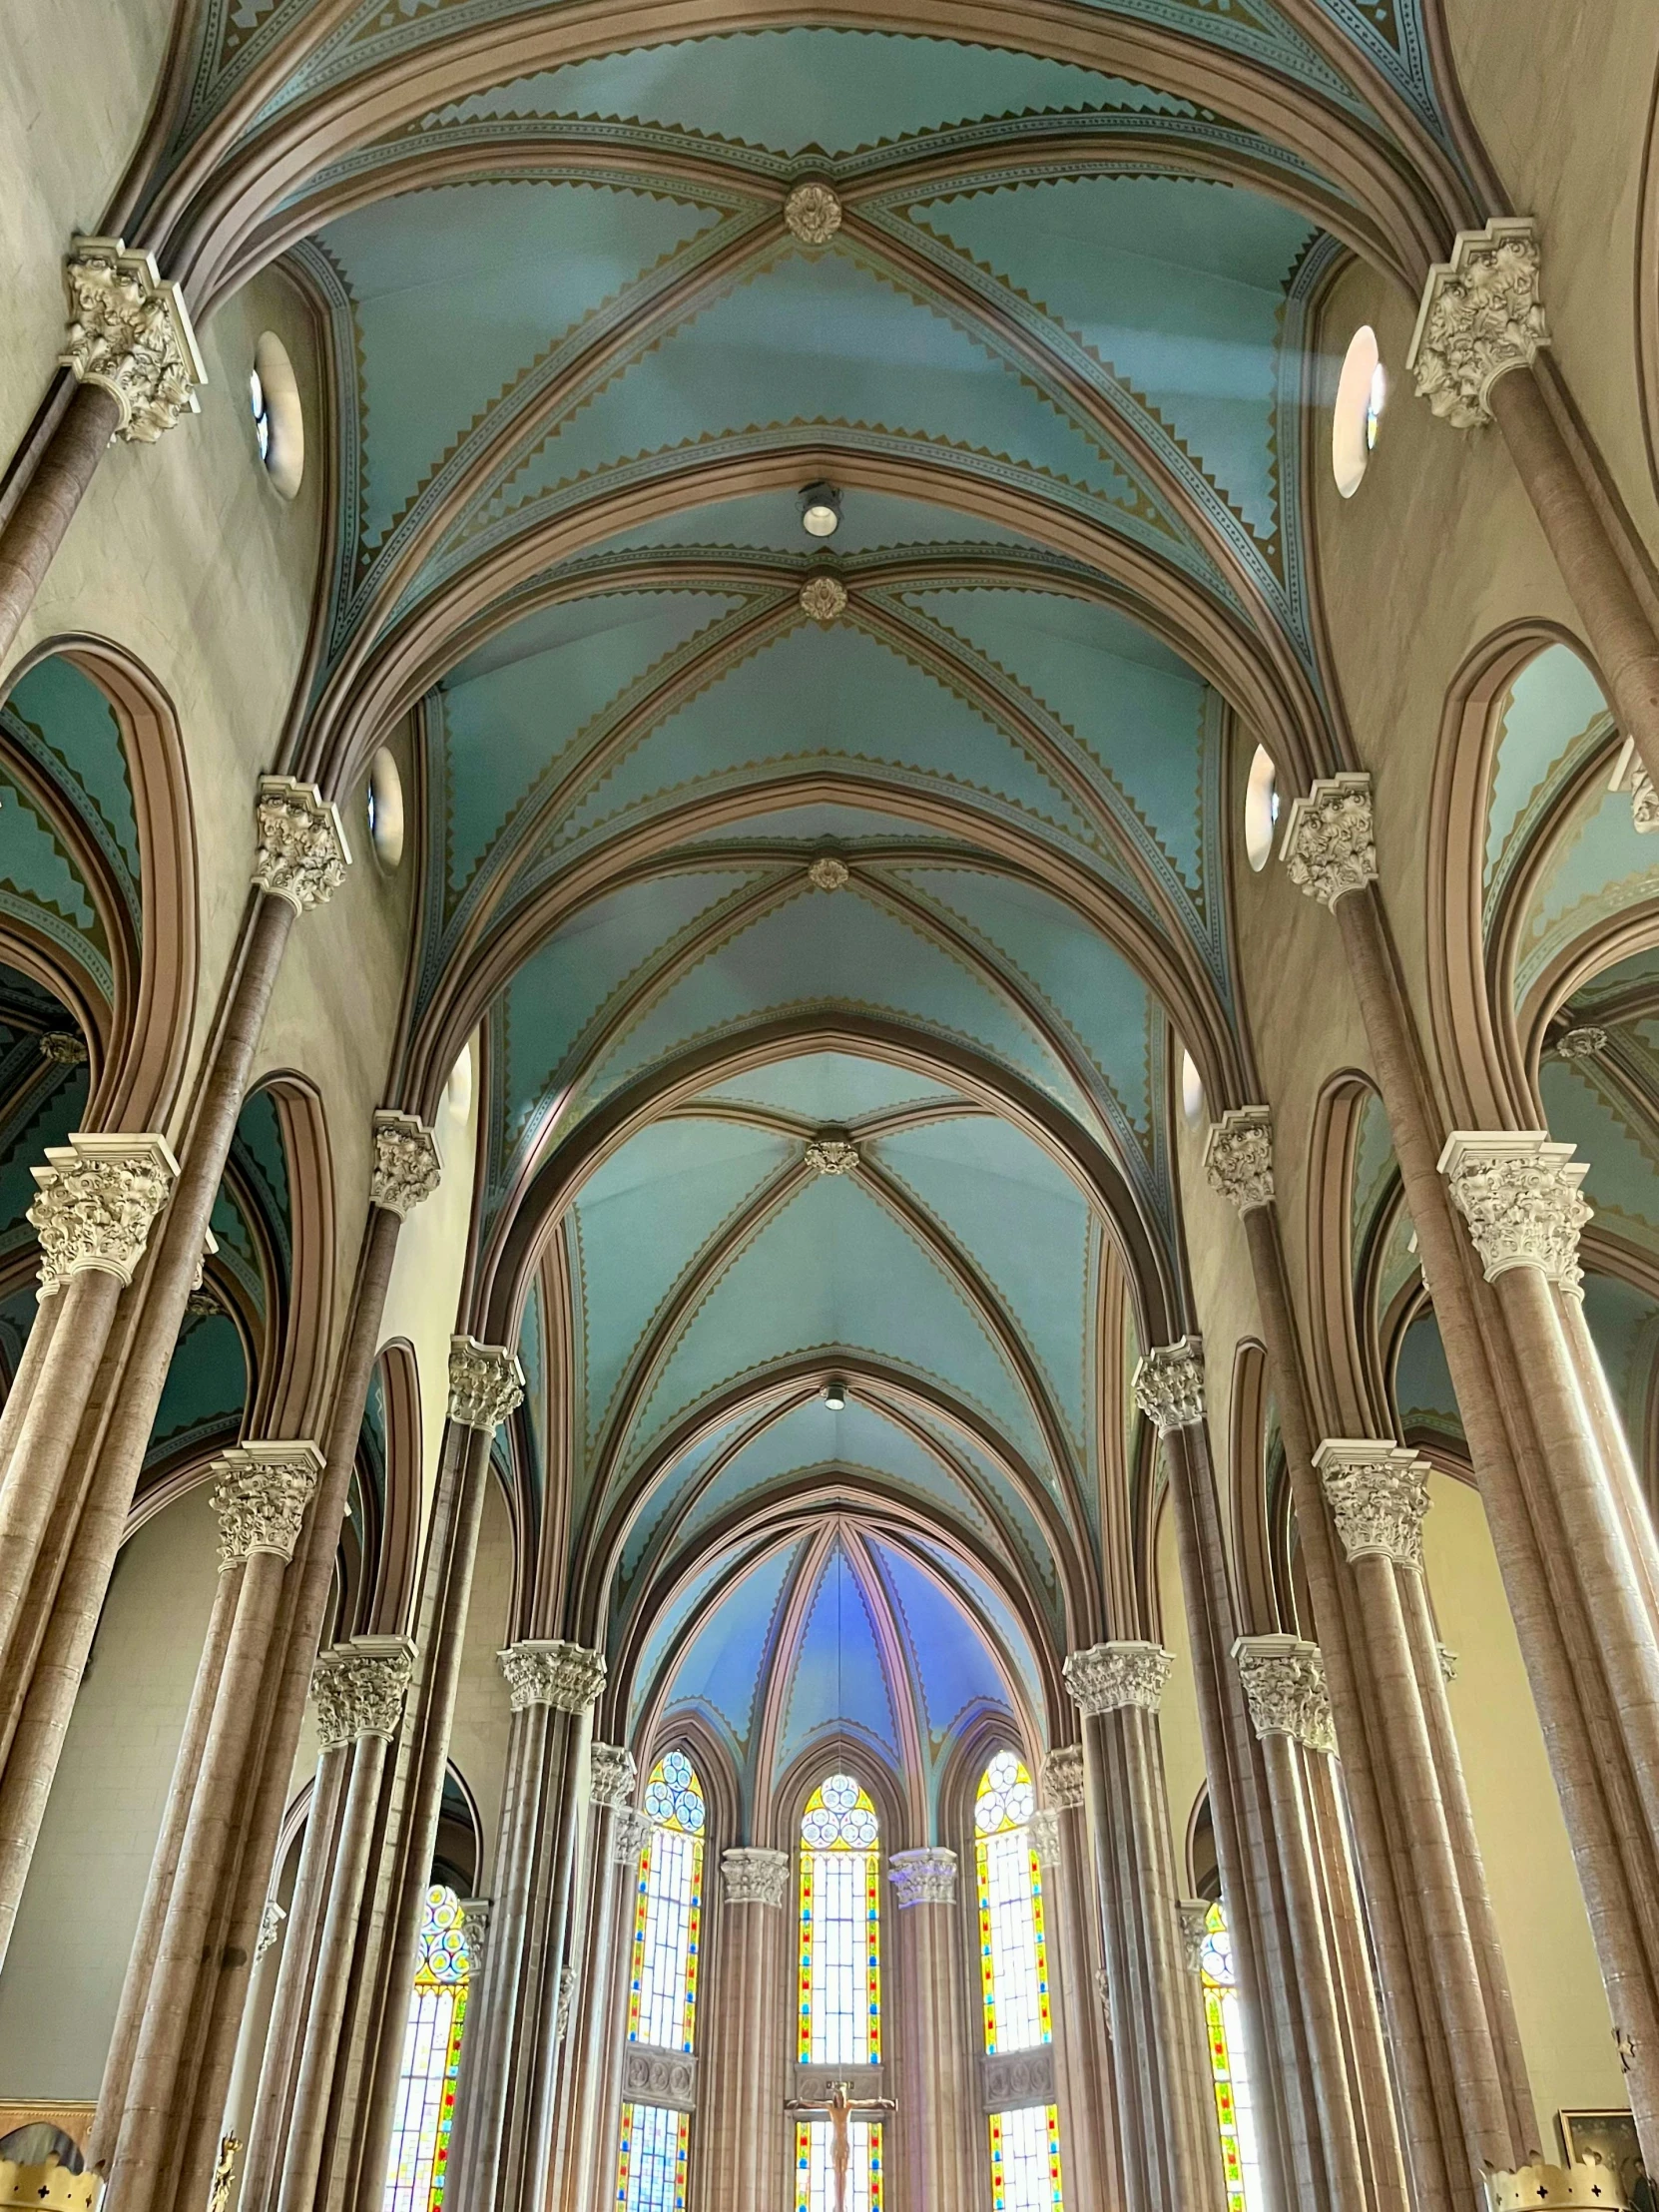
<point>1610,2135</point>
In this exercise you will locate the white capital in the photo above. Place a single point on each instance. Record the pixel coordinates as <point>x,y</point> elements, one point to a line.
<point>1108,1677</point>
<point>475,1927</point>
<point>567,1994</point>
<point>129,333</point>
<point>612,1775</point>
<point>1377,1493</point>
<point>261,1494</point>
<point>1063,1778</point>
<point>630,1835</point>
<point>542,1672</point>
<point>1329,845</point>
<point>1238,1156</point>
<point>486,1383</point>
<point>303,854</point>
<point>1044,1829</point>
<point>406,1164</point>
<point>1192,1917</point>
<point>1283,1684</point>
<point>922,1876</point>
<point>1169,1384</point>
<point>1518,1190</point>
<point>1482,315</point>
<point>754,1877</point>
<point>359,1688</point>
<point>96,1198</point>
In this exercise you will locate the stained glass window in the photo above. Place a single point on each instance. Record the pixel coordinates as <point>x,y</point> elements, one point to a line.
<point>419,2163</point>
<point>1014,1943</point>
<point>838,1988</point>
<point>1235,2109</point>
<point>667,1910</point>
<point>1025,2160</point>
<point>651,2172</point>
<point>815,2176</point>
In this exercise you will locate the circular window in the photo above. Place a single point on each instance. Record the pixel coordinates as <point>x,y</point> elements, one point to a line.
<point>1260,809</point>
<point>385,809</point>
<point>457,1094</point>
<point>1361,393</point>
<point>1192,1091</point>
<point>278,425</point>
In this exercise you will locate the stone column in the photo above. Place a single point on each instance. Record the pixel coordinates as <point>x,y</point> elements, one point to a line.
<point>502,2150</point>
<point>746,2150</point>
<point>486,1385</point>
<point>613,1777</point>
<point>359,1689</point>
<point>1166,2127</point>
<point>1480,330</point>
<point>132,352</point>
<point>301,860</point>
<point>1083,2062</point>
<point>1290,1709</point>
<point>1330,852</point>
<point>938,2129</point>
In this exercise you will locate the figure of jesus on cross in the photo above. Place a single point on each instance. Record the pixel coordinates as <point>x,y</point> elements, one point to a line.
<point>839,2107</point>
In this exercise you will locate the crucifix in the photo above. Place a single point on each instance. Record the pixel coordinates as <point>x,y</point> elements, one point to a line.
<point>839,2107</point>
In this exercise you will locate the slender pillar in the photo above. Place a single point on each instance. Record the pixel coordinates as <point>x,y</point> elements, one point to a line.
<point>131,348</point>
<point>1083,2057</point>
<point>502,2157</point>
<point>1330,852</point>
<point>359,1689</point>
<point>591,2124</point>
<point>1166,2129</point>
<point>939,2125</point>
<point>745,2158</point>
<point>486,1385</point>
<point>1479,332</point>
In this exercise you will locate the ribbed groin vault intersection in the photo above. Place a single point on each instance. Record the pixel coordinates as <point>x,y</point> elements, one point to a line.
<point>829,1106</point>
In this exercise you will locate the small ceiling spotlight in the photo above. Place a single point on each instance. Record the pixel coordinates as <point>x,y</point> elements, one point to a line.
<point>835,1395</point>
<point>821,510</point>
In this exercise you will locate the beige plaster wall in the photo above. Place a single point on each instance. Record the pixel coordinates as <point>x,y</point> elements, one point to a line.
<point>478,1746</point>
<point>1563,2015</point>
<point>1184,1777</point>
<point>79,1909</point>
<point>77,82</point>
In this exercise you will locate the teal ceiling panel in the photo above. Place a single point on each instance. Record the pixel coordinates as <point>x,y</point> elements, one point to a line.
<point>71,730</point>
<point>950,1663</point>
<point>1584,1110</point>
<point>838,1681</point>
<point>831,1088</point>
<point>725,1667</point>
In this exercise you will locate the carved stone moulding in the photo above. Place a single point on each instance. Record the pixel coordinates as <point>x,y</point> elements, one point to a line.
<point>1330,845</point>
<point>1283,1685</point>
<point>1584,1043</point>
<point>1482,315</point>
<point>475,1926</point>
<point>926,1876</point>
<point>827,873</point>
<point>270,1926</point>
<point>813,212</point>
<point>1045,1829</point>
<point>823,597</point>
<point>359,1688</point>
<point>65,1048</point>
<point>263,1488</point>
<point>812,2083</point>
<point>612,1775</point>
<point>486,1383</point>
<point>1012,2079</point>
<point>1378,1492</point>
<point>95,1202</point>
<point>829,1153</point>
<point>128,332</point>
<point>1192,1917</point>
<point>755,1877</point>
<point>652,2076</point>
<point>1169,1384</point>
<point>630,1835</point>
<point>542,1672</point>
<point>567,1997</point>
<point>1063,1778</point>
<point>303,854</point>
<point>1109,1677</point>
<point>406,1164</point>
<point>1238,1156</point>
<point>1518,1190</point>
<point>1630,775</point>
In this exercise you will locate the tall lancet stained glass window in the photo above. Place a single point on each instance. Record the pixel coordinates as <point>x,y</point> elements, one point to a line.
<point>838,1994</point>
<point>1235,2108</point>
<point>662,1983</point>
<point>1013,1980</point>
<point>418,2164</point>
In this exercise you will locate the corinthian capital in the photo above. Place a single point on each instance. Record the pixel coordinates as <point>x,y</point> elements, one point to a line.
<point>95,1199</point>
<point>755,1877</point>
<point>922,1876</point>
<point>1377,1493</point>
<point>360,1687</point>
<point>539,1672</point>
<point>1329,844</point>
<point>406,1164</point>
<point>1482,315</point>
<point>1063,1778</point>
<point>1518,1190</point>
<point>261,1494</point>
<point>1192,1917</point>
<point>612,1775</point>
<point>129,333</point>
<point>630,1835</point>
<point>1283,1684</point>
<point>303,854</point>
<point>1044,1830</point>
<point>567,1992</point>
<point>486,1383</point>
<point>1108,1677</point>
<point>1169,1384</point>
<point>1238,1156</point>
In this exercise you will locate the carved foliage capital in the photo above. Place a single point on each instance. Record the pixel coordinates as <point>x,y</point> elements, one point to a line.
<point>1481,314</point>
<point>486,1382</point>
<point>406,1164</point>
<point>1283,1684</point>
<point>567,1996</point>
<point>1192,1917</point>
<point>754,1877</point>
<point>1518,1190</point>
<point>360,1687</point>
<point>540,1672</point>
<point>130,333</point>
<point>1377,1493</point>
<point>630,1835</point>
<point>922,1876</point>
<point>303,854</point>
<point>612,1775</point>
<point>95,1199</point>
<point>1044,1830</point>
<point>261,1496</point>
<point>270,1926</point>
<point>1238,1157</point>
<point>1169,1384</point>
<point>1328,845</point>
<point>812,213</point>
<point>475,1926</point>
<point>1063,1778</point>
<point>1109,1677</point>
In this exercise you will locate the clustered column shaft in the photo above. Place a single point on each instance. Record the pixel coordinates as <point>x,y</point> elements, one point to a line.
<point>1085,2086</point>
<point>593,2100</point>
<point>936,2129</point>
<point>745,2156</point>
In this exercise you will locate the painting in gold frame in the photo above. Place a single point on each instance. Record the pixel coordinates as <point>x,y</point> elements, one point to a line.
<point>1611,2138</point>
